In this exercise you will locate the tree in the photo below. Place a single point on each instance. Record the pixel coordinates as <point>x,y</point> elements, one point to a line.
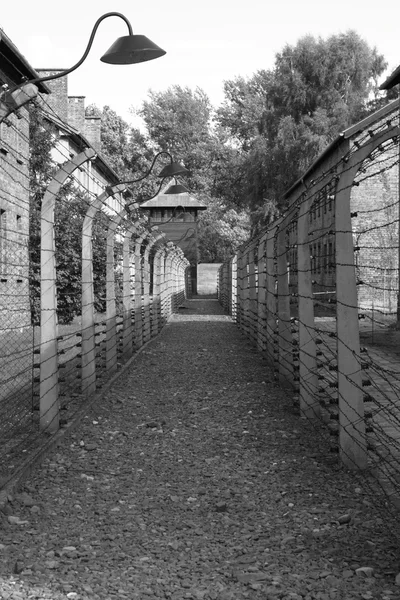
<point>180,121</point>
<point>283,118</point>
<point>126,149</point>
<point>221,232</point>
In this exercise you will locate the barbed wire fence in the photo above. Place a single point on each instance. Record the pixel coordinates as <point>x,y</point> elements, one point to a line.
<point>84,283</point>
<point>317,292</point>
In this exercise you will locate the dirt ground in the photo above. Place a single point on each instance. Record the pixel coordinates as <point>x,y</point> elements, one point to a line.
<point>194,478</point>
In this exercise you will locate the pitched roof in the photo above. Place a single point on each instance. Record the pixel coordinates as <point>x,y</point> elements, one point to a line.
<point>392,80</point>
<point>82,142</point>
<point>174,200</point>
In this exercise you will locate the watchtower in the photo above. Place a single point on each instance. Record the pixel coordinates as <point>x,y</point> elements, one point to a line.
<point>176,215</point>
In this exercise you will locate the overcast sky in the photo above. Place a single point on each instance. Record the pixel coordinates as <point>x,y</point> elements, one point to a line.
<point>207,41</point>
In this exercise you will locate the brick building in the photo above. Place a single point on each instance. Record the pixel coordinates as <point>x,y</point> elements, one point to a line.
<point>75,131</point>
<point>14,194</point>
<point>374,206</point>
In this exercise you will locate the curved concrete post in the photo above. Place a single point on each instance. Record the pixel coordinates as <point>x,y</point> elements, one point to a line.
<point>261,293</point>
<point>111,304</point>
<point>111,307</point>
<point>285,337</point>
<point>163,285</point>
<point>233,300</point>
<point>308,376</point>
<point>138,300</point>
<point>240,288</point>
<point>271,297</point>
<point>131,275</point>
<point>146,286</point>
<point>88,312</point>
<point>183,264</point>
<point>176,255</point>
<point>352,439</point>
<point>252,293</point>
<point>49,402</point>
<point>158,265</point>
<point>168,281</point>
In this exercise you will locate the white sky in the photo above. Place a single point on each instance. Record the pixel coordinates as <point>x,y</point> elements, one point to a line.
<point>207,41</point>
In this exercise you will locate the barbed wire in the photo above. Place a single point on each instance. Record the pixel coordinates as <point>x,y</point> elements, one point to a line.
<point>287,297</point>
<point>49,368</point>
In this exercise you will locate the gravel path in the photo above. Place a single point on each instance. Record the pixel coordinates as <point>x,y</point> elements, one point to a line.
<point>193,478</point>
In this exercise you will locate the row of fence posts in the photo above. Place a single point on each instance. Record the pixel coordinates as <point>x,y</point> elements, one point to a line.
<point>142,318</point>
<point>254,288</point>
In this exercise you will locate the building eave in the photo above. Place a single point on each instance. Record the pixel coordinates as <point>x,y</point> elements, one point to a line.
<point>348,133</point>
<point>19,67</point>
<point>392,80</point>
<point>81,143</point>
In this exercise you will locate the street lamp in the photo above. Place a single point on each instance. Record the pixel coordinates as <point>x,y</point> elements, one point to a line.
<point>172,169</point>
<point>126,50</point>
<point>176,188</point>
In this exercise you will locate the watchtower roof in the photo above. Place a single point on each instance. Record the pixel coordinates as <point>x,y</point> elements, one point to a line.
<point>174,200</point>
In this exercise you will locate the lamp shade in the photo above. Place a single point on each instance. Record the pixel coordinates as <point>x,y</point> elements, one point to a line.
<point>177,188</point>
<point>172,169</point>
<point>130,49</point>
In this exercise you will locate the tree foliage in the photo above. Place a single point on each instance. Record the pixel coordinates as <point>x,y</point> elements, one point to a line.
<point>221,231</point>
<point>242,157</point>
<point>126,149</point>
<point>70,208</point>
<point>282,118</point>
<point>181,121</point>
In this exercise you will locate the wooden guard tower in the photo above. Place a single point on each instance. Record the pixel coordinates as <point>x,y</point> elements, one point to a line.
<point>176,215</point>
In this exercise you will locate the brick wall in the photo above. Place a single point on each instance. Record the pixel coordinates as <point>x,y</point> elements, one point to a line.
<point>92,130</point>
<point>14,223</point>
<point>76,112</point>
<point>58,99</point>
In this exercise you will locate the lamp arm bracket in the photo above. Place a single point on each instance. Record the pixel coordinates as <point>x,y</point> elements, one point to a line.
<point>67,71</point>
<point>150,168</point>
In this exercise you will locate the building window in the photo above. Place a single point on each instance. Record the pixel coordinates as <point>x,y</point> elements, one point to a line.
<point>319,257</point>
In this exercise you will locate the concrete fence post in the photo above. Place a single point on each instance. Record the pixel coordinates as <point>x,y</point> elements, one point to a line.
<point>252,292</point>
<point>49,392</point>
<point>88,311</point>
<point>146,286</point>
<point>271,294</point>
<point>308,376</point>
<point>261,293</point>
<point>139,270</point>
<point>352,438</point>
<point>233,298</point>
<point>157,285</point>
<point>285,338</point>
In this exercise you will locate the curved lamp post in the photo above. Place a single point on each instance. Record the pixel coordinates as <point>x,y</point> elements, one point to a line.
<point>126,50</point>
<point>172,169</point>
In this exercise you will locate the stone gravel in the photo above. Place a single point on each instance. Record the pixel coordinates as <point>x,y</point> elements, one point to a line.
<point>193,477</point>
